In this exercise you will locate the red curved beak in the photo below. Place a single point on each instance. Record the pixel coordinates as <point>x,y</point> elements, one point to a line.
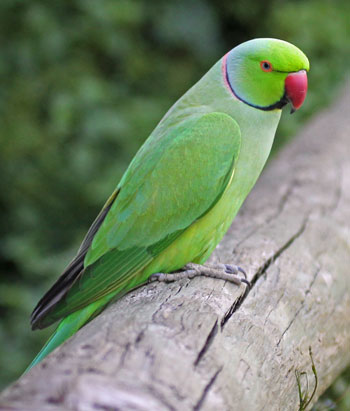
<point>296,87</point>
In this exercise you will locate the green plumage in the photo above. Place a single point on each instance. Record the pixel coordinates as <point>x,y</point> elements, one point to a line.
<point>177,198</point>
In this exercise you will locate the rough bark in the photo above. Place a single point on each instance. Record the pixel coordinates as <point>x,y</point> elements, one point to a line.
<point>198,345</point>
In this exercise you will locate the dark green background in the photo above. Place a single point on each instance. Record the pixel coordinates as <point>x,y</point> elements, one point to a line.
<point>83,82</point>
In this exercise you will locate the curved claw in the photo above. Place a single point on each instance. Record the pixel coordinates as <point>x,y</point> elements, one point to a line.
<point>240,269</point>
<point>245,281</point>
<point>232,269</point>
<point>248,287</point>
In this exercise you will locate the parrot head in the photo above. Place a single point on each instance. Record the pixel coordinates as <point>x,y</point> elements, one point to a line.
<point>267,74</point>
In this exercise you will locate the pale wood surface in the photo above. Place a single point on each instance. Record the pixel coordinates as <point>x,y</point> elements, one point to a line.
<point>194,345</point>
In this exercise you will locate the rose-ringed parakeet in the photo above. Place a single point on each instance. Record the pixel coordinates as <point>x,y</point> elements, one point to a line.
<point>183,188</point>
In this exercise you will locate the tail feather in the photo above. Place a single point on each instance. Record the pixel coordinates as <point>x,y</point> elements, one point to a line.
<point>69,326</point>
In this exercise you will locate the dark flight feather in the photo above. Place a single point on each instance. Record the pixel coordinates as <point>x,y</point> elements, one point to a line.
<point>71,273</point>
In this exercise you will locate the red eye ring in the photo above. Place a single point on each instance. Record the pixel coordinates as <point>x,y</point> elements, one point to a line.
<point>265,66</point>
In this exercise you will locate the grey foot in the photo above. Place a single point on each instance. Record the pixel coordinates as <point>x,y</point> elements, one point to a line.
<point>221,271</point>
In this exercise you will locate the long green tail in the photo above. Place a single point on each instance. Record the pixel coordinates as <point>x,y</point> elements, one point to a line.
<point>69,326</point>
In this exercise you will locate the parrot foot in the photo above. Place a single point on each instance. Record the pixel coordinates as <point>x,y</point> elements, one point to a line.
<point>221,271</point>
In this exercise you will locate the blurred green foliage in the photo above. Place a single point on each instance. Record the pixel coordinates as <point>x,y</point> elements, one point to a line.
<point>337,397</point>
<point>83,84</point>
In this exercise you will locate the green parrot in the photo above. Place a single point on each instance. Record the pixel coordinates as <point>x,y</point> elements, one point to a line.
<point>183,188</point>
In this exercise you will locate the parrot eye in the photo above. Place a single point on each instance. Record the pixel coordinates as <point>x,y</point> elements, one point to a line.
<point>265,65</point>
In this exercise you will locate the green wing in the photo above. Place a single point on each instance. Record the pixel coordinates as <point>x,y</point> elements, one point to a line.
<point>171,183</point>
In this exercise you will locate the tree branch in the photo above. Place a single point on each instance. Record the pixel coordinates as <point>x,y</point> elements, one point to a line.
<point>201,345</point>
